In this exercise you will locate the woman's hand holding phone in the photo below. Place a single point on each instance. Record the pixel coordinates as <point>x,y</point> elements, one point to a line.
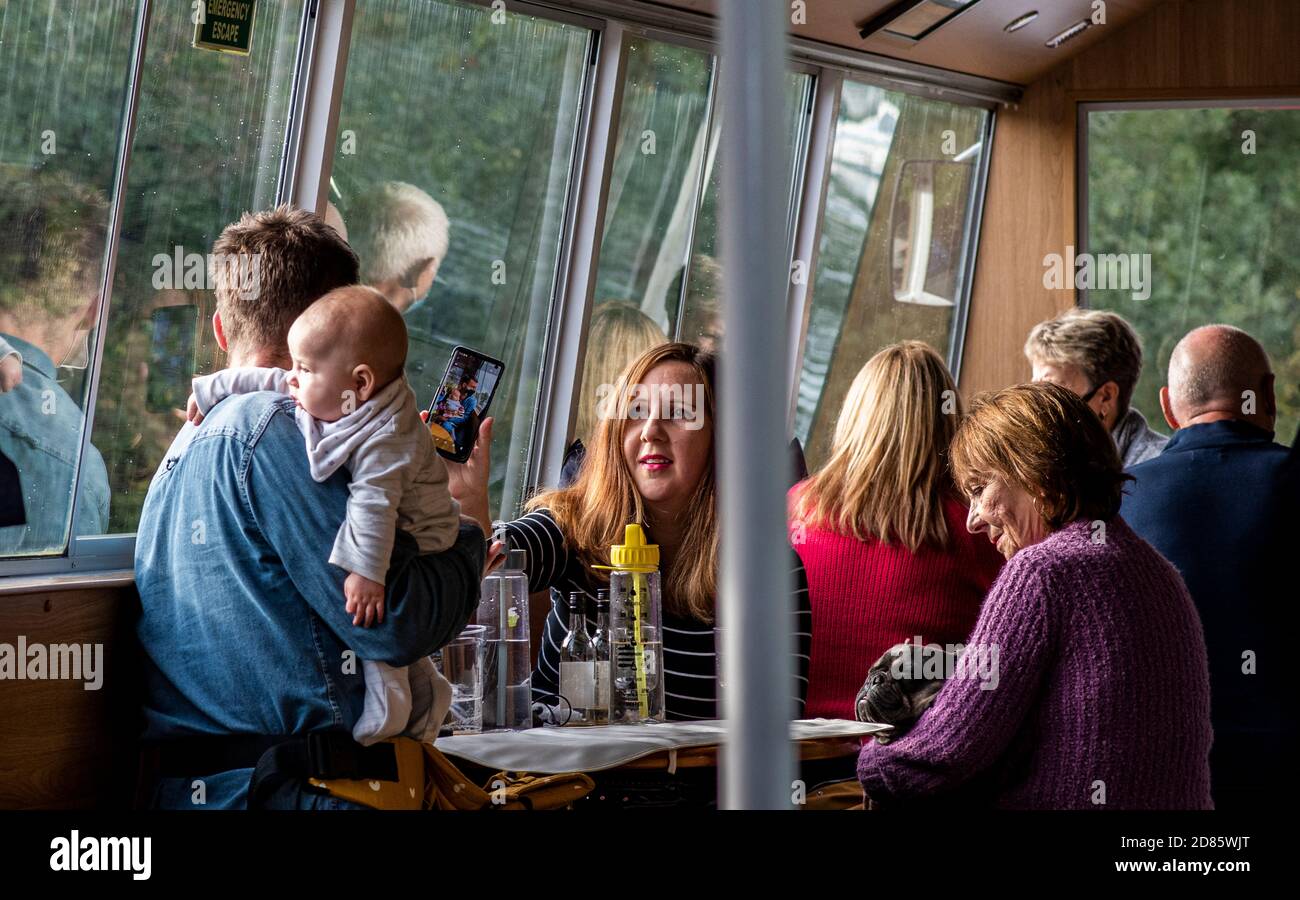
<point>468,481</point>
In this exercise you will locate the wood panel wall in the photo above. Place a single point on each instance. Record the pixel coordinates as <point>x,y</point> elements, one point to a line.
<point>62,746</point>
<point>1183,49</point>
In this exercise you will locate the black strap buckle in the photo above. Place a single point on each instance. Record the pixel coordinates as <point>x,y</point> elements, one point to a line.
<point>332,754</point>
<point>328,757</point>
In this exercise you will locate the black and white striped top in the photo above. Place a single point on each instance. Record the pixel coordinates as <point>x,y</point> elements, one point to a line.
<point>690,661</point>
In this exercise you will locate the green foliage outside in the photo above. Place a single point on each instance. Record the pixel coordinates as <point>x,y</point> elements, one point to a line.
<point>1221,224</point>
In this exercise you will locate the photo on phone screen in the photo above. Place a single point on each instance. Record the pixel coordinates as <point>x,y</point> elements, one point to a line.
<point>171,357</point>
<point>462,401</point>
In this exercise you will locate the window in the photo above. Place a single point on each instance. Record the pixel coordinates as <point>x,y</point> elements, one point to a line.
<point>209,137</point>
<point>660,155</point>
<point>701,304</point>
<point>659,273</point>
<point>896,235</point>
<point>458,131</point>
<point>1207,197</point>
<point>443,104</point>
<point>60,116</point>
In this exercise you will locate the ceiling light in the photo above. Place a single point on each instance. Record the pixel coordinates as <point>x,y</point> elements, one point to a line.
<point>1073,31</point>
<point>913,20</point>
<point>1021,22</point>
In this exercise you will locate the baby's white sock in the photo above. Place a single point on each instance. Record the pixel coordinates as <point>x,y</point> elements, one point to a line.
<point>388,703</point>
<point>430,700</point>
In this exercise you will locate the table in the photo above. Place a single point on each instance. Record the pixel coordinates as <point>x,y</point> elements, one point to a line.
<point>669,764</point>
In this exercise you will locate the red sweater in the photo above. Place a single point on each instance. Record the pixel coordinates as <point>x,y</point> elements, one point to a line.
<point>867,596</point>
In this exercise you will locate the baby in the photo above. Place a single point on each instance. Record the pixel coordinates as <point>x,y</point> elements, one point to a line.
<point>449,408</point>
<point>356,409</point>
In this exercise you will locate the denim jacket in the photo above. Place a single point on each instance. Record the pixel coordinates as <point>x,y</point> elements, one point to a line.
<point>243,627</point>
<point>40,431</point>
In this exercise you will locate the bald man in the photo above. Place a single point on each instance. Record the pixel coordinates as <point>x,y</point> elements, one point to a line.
<point>1216,503</point>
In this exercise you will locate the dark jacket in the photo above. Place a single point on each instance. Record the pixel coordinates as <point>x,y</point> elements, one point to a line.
<point>1221,505</point>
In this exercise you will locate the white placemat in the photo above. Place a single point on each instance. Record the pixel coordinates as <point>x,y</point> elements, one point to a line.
<point>548,751</point>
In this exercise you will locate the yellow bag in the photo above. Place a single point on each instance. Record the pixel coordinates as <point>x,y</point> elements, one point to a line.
<point>405,793</point>
<point>845,794</point>
<point>427,779</point>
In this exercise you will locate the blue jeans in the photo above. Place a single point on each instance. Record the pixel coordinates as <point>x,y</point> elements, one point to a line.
<point>243,625</point>
<point>223,788</point>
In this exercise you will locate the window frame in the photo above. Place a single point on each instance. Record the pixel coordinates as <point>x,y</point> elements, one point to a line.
<point>1083,107</point>
<point>98,552</point>
<point>113,553</point>
<point>970,249</point>
<point>307,157</point>
<point>826,124</point>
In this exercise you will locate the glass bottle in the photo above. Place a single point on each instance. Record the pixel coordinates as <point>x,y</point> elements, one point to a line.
<point>578,665</point>
<point>600,644</point>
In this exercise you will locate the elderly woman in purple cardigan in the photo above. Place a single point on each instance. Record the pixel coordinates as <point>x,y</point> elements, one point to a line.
<point>1084,684</point>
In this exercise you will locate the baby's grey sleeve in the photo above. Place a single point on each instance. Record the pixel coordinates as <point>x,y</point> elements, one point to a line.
<point>379,467</point>
<point>209,390</point>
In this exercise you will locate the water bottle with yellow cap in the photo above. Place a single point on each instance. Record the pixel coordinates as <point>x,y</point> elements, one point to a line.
<point>635,631</point>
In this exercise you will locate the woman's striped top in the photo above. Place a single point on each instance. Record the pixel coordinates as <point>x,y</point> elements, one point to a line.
<point>690,661</point>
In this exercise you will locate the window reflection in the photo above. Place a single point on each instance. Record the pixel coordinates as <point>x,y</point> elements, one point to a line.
<point>895,231</point>
<point>454,123</point>
<point>209,136</point>
<point>59,126</point>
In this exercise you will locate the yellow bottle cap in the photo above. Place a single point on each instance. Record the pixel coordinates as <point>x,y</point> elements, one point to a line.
<point>634,553</point>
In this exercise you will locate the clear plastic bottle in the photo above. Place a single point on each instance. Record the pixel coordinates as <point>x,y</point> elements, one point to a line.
<point>636,631</point>
<point>578,665</point>
<point>507,663</point>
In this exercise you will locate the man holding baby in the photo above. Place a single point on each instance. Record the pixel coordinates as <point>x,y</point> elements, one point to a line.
<point>248,643</point>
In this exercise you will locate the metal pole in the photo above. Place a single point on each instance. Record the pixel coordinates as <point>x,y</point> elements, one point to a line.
<point>756,607</point>
<point>310,184</point>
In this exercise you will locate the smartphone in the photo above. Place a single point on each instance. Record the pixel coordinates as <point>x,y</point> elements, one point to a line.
<point>171,357</point>
<point>462,401</point>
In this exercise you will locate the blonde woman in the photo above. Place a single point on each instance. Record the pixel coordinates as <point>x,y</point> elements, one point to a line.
<point>880,528</point>
<point>619,333</point>
<point>651,461</point>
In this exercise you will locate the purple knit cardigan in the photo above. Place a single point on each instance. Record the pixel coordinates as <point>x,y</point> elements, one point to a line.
<point>1102,697</point>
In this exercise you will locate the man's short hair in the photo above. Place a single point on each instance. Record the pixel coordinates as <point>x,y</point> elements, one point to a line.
<point>1101,344</point>
<point>396,228</point>
<point>296,260</point>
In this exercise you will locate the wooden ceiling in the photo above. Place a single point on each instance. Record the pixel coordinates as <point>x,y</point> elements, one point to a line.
<point>974,42</point>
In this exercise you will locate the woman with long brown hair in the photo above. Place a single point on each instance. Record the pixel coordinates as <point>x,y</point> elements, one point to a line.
<point>881,530</point>
<point>651,461</point>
